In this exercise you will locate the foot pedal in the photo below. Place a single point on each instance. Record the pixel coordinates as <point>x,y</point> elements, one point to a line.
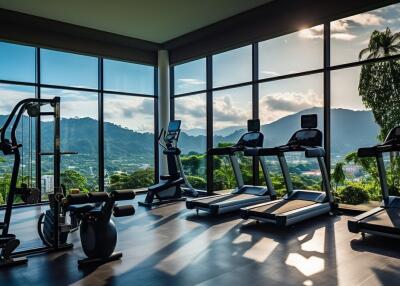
<point>98,261</point>
<point>8,248</point>
<point>12,262</point>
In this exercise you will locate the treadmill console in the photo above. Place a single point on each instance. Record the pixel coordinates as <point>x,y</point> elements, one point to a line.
<point>253,125</point>
<point>253,138</point>
<point>174,126</point>
<point>309,121</point>
<point>307,136</point>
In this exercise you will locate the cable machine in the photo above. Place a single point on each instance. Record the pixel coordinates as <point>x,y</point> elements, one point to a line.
<point>8,242</point>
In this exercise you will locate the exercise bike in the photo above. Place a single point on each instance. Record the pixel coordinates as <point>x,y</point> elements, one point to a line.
<point>174,186</point>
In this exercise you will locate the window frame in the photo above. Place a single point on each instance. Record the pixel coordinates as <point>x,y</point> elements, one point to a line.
<point>325,70</point>
<point>38,85</point>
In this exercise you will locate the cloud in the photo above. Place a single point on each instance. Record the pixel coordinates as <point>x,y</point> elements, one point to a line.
<point>341,29</point>
<point>189,84</point>
<point>191,81</point>
<point>343,36</point>
<point>277,105</point>
<point>191,110</point>
<point>10,96</point>
<point>133,113</point>
<point>312,33</point>
<point>270,73</point>
<point>226,114</point>
<point>366,19</point>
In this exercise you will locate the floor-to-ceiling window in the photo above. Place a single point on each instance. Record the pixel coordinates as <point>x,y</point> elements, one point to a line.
<point>191,110</point>
<point>364,100</point>
<point>128,125</point>
<point>280,79</point>
<point>93,91</point>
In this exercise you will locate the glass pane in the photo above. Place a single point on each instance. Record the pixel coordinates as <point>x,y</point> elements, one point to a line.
<point>192,111</point>
<point>79,133</point>
<point>17,62</point>
<point>232,67</point>
<point>190,76</point>
<point>128,77</point>
<point>10,95</point>
<point>292,53</point>
<point>360,120</point>
<point>231,110</point>
<point>281,105</point>
<point>59,68</point>
<point>129,142</point>
<point>349,36</point>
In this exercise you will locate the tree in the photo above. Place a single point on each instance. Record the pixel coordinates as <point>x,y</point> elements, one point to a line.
<point>192,164</point>
<point>138,179</point>
<point>381,44</point>
<point>72,179</point>
<point>379,85</point>
<point>338,176</point>
<point>368,164</point>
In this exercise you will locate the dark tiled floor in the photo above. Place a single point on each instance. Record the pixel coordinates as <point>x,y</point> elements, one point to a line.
<point>173,246</point>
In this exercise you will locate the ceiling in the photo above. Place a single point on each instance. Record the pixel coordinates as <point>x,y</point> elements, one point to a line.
<point>152,20</point>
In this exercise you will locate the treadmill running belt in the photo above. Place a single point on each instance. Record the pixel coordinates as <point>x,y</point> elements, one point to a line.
<point>282,207</point>
<point>220,199</point>
<point>387,220</point>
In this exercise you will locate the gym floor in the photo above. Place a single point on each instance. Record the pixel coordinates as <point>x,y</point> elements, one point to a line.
<point>173,246</point>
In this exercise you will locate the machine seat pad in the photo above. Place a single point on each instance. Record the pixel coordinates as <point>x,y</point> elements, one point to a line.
<point>81,208</point>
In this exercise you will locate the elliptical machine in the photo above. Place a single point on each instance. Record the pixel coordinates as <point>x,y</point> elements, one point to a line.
<point>175,185</point>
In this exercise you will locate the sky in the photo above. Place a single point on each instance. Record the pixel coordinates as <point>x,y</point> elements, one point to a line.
<point>296,52</point>
<point>291,53</point>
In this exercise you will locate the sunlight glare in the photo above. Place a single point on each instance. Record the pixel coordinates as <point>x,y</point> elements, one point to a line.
<point>307,266</point>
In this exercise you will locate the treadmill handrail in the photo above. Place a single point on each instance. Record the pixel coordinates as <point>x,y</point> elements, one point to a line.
<point>231,150</point>
<point>315,152</point>
<point>260,151</point>
<point>377,149</point>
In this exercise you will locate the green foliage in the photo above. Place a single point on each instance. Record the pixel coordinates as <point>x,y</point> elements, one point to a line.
<point>367,164</point>
<point>192,163</point>
<point>197,182</point>
<point>354,194</point>
<point>138,179</point>
<point>72,179</point>
<point>379,85</point>
<point>338,176</point>
<point>1,199</point>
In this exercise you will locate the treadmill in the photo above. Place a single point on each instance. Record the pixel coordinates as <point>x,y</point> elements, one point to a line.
<point>243,195</point>
<point>296,205</point>
<point>385,219</point>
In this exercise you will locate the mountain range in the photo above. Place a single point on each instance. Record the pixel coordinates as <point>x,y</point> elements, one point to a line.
<point>350,130</point>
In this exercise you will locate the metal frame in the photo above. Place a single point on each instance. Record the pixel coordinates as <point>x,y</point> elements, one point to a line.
<point>325,70</point>
<point>38,85</point>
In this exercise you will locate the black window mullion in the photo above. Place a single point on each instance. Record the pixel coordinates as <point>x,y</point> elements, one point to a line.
<point>101,124</point>
<point>38,171</point>
<point>255,107</point>
<point>171,93</point>
<point>209,112</point>
<point>156,128</point>
<point>327,96</point>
